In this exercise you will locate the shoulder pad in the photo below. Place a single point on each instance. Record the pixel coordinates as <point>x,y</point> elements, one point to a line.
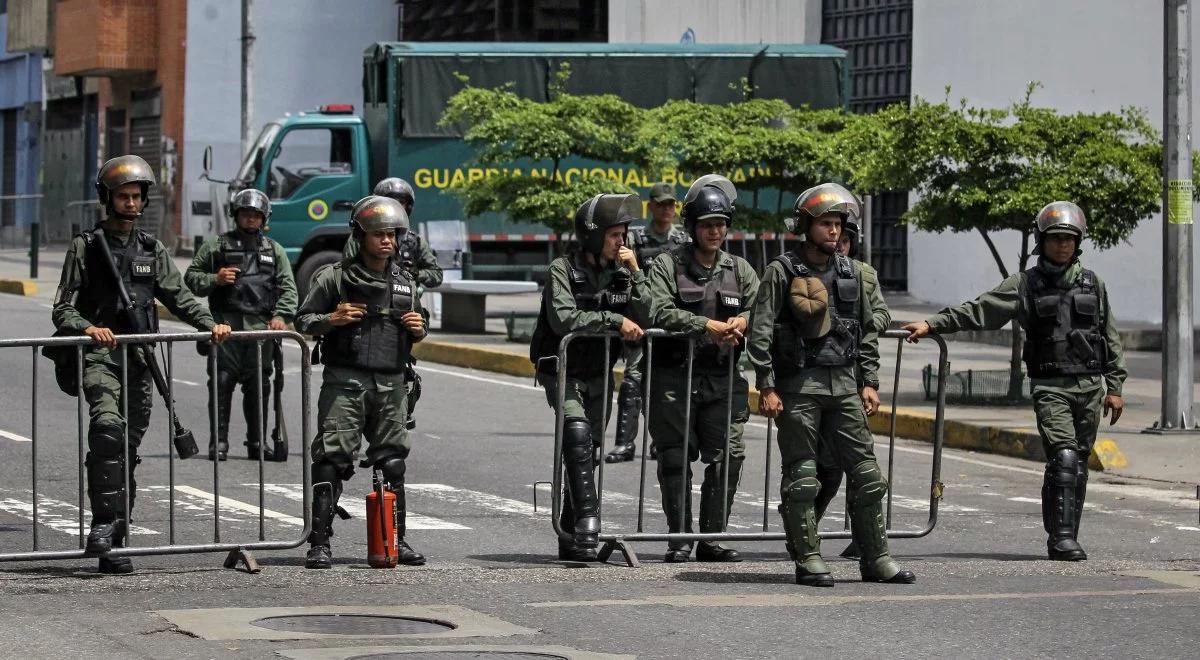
<point>791,265</point>
<point>679,236</point>
<point>1087,278</point>
<point>146,239</point>
<point>844,265</point>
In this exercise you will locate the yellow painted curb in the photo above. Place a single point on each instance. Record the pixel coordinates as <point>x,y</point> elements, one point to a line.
<point>18,287</point>
<point>910,423</point>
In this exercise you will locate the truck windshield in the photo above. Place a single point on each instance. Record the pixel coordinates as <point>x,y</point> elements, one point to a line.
<point>248,172</point>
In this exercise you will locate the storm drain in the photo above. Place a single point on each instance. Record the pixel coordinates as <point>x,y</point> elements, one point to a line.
<point>460,655</point>
<point>353,624</point>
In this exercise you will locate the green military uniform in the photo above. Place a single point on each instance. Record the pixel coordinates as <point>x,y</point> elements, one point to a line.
<point>1071,374</point>
<point>249,304</point>
<point>414,254</point>
<point>88,296</point>
<point>102,367</point>
<point>823,400</point>
<point>683,296</point>
<point>354,402</point>
<point>1067,406</point>
<point>828,471</point>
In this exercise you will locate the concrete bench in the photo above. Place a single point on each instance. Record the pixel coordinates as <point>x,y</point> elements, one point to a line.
<point>464,302</point>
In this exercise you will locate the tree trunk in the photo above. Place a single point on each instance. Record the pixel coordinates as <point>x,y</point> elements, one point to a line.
<point>1016,379</point>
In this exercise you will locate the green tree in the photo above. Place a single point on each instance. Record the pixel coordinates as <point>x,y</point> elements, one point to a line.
<point>515,136</point>
<point>988,170</point>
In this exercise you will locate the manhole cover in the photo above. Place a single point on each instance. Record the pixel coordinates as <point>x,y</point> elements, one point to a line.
<point>352,624</point>
<point>460,655</point>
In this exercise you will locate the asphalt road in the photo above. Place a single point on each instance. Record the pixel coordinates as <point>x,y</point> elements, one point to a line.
<point>482,441</point>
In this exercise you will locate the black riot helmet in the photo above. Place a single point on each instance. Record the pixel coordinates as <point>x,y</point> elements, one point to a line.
<point>375,212</point>
<point>398,189</point>
<point>119,171</point>
<point>594,218</point>
<point>255,200</point>
<point>711,196</point>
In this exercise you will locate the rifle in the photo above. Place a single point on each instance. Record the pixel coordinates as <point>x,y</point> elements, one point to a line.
<point>279,435</point>
<point>184,440</point>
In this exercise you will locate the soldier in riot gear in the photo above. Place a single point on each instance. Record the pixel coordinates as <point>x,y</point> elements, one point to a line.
<point>828,471</point>
<point>366,314</point>
<point>589,289</point>
<point>248,280</point>
<point>698,289</point>
<point>88,302</point>
<point>1073,354</point>
<point>816,357</point>
<point>647,242</point>
<point>412,253</point>
<point>415,256</point>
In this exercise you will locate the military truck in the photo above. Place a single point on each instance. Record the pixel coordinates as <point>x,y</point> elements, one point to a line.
<point>315,165</point>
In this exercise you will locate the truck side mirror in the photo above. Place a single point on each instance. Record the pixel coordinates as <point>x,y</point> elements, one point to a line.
<point>207,166</point>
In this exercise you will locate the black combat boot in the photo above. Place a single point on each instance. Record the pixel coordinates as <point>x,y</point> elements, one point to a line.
<point>1059,508</point>
<point>327,486</point>
<point>712,518</point>
<point>225,387</point>
<point>671,483</point>
<point>581,481</point>
<point>393,470</point>
<point>629,406</point>
<point>254,431</point>
<point>567,550</point>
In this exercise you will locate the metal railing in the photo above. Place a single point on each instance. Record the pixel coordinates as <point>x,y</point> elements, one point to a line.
<point>239,550</point>
<point>620,540</point>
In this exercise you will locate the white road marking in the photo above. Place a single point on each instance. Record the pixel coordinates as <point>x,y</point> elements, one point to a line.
<point>494,381</point>
<point>1030,500</point>
<point>185,382</point>
<point>475,498</point>
<point>14,437</point>
<point>357,507</point>
<point>55,514</point>
<point>201,500</point>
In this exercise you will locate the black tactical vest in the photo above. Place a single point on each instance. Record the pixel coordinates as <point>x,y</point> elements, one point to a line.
<point>585,356</point>
<point>254,290</point>
<point>1065,333</point>
<point>790,350</point>
<point>379,342</point>
<point>718,297</point>
<point>98,300</point>
<point>647,250</point>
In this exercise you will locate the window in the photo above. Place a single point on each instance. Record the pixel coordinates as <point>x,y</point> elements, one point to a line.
<point>308,152</point>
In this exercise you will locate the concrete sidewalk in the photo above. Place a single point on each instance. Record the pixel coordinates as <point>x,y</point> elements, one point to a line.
<point>1008,430</point>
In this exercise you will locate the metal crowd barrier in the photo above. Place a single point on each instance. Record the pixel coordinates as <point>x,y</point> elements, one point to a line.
<point>239,551</point>
<point>621,541</point>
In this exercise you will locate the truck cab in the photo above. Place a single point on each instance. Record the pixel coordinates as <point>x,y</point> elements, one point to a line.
<point>314,167</point>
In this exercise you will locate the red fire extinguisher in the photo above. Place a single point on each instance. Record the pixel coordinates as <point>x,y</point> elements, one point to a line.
<point>381,525</point>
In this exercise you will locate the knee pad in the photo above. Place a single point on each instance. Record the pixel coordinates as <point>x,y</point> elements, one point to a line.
<point>631,386</point>
<point>577,435</point>
<point>225,380</point>
<point>328,471</point>
<point>800,483</point>
<point>393,469</point>
<point>1063,467</point>
<point>867,483</point>
<point>105,440</point>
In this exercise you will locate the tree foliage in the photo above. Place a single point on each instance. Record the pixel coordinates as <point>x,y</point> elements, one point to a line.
<point>517,137</point>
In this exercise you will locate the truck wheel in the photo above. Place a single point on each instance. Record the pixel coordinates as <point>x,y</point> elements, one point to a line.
<point>307,272</point>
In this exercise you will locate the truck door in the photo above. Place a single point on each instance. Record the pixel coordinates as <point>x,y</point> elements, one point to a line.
<point>313,180</point>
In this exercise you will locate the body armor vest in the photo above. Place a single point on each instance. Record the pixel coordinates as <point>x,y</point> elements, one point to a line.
<point>379,342</point>
<point>1065,333</point>
<point>585,356</point>
<point>647,250</point>
<point>790,350</point>
<point>254,290</point>
<point>98,300</point>
<point>718,297</point>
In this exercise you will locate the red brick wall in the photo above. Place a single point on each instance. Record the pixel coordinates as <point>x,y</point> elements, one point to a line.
<point>103,37</point>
